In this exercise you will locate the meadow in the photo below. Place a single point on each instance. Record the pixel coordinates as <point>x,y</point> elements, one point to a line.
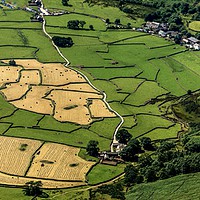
<point>137,72</point>
<point>179,187</point>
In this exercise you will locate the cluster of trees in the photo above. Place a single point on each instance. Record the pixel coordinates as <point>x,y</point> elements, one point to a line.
<point>62,41</point>
<point>115,191</point>
<point>78,24</point>
<point>133,146</point>
<point>65,2</point>
<point>92,148</point>
<point>166,162</point>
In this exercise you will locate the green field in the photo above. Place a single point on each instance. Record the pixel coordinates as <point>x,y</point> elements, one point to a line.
<point>95,175</point>
<point>180,187</point>
<point>137,71</point>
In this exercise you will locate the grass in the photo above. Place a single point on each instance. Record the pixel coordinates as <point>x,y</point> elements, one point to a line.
<point>107,73</point>
<point>14,15</point>
<point>83,154</point>
<point>78,138</point>
<point>23,118</point>
<point>97,10</point>
<point>160,134</point>
<point>110,89</point>
<point>48,122</point>
<point>3,127</point>
<point>180,187</point>
<point>105,128</point>
<point>195,26</point>
<point>12,52</point>
<point>144,93</point>
<point>62,20</point>
<point>108,171</point>
<point>129,122</point>
<point>130,110</point>
<point>127,84</point>
<point>146,123</point>
<point>5,108</point>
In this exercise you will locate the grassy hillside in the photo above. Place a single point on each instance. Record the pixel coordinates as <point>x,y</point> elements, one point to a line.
<point>182,187</point>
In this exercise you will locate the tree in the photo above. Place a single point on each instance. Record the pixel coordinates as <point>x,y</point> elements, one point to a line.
<point>108,21</point>
<point>131,174</point>
<point>82,23</point>
<point>12,62</point>
<point>146,143</point>
<point>117,21</point>
<point>123,136</point>
<point>33,188</point>
<point>92,148</point>
<point>91,27</point>
<point>73,24</point>
<point>65,2</point>
<point>62,41</point>
<point>150,174</point>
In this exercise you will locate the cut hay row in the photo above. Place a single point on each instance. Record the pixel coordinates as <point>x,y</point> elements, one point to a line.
<point>52,74</point>
<point>15,154</point>
<point>60,162</point>
<point>9,74</point>
<point>20,181</point>
<point>55,90</point>
<point>71,106</point>
<point>99,109</point>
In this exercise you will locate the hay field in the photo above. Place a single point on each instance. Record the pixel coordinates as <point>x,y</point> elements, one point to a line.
<point>12,159</point>
<point>34,101</point>
<point>52,74</point>
<point>71,106</point>
<point>9,74</point>
<point>20,181</point>
<point>60,162</point>
<point>99,109</point>
<point>54,90</point>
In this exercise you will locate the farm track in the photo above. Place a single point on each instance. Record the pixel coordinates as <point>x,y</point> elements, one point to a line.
<point>66,65</point>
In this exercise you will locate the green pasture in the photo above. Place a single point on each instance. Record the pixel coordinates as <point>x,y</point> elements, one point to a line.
<point>82,40</point>
<point>20,25</point>
<point>48,122</point>
<point>190,60</point>
<point>166,78</point>
<point>78,138</point>
<point>145,92</point>
<point>46,53</point>
<point>149,40</point>
<point>135,54</point>
<point>14,15</point>
<point>146,123</point>
<point>62,20</point>
<point>101,173</point>
<point>23,118</point>
<point>117,35</point>
<point>5,108</point>
<point>70,32</point>
<point>160,134</point>
<point>129,122</point>
<point>179,187</point>
<point>9,52</point>
<point>97,10</point>
<point>127,84</point>
<point>110,89</point>
<point>107,73</point>
<point>124,110</point>
<point>4,127</point>
<point>12,37</point>
<point>106,127</point>
<point>195,25</point>
<point>84,55</point>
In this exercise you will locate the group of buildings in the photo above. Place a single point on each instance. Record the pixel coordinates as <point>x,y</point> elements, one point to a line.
<point>162,29</point>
